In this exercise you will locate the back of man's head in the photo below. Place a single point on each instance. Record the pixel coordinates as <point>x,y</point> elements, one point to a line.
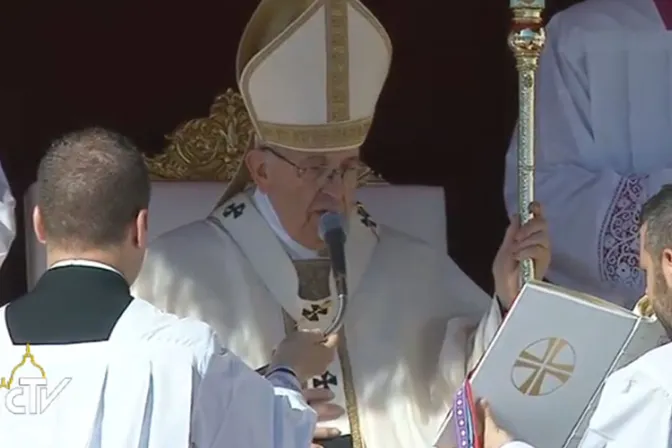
<point>656,217</point>
<point>656,253</point>
<point>92,186</point>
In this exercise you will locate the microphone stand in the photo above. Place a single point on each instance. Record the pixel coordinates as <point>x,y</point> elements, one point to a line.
<point>342,295</point>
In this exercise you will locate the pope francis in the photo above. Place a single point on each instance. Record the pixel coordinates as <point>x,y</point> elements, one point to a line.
<point>311,72</point>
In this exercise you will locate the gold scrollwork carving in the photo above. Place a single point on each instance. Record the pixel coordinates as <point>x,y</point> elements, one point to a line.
<point>210,149</point>
<point>206,149</point>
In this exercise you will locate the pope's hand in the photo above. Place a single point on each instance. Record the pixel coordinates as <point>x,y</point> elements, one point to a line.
<point>531,240</point>
<point>491,434</point>
<point>308,353</point>
<point>319,400</point>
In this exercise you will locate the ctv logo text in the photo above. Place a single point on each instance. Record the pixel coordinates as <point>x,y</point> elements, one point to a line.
<point>33,396</point>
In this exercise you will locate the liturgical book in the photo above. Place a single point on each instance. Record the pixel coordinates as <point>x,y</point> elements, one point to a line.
<point>544,370</point>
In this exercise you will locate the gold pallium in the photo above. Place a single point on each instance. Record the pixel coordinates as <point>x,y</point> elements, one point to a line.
<point>541,368</point>
<point>6,383</point>
<point>313,278</point>
<point>210,149</point>
<point>312,292</point>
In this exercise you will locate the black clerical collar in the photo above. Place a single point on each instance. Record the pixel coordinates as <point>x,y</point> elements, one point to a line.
<point>85,263</point>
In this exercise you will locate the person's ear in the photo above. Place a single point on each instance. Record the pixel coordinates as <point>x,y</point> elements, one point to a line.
<point>257,164</point>
<point>140,229</point>
<point>38,225</point>
<point>666,266</point>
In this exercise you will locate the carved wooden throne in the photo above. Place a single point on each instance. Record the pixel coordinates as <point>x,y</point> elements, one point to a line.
<point>202,154</point>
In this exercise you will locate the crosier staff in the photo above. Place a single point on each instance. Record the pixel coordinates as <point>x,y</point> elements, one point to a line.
<point>526,40</point>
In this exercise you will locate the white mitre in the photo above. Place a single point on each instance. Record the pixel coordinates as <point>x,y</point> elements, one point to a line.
<point>310,73</point>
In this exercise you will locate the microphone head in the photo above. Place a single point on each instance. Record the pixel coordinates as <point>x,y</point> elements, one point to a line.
<point>330,221</point>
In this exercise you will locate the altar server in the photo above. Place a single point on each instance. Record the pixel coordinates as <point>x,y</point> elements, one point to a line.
<point>310,73</point>
<point>604,123</point>
<point>120,372</point>
<point>635,408</point>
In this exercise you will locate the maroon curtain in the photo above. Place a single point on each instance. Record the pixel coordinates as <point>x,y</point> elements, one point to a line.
<point>444,119</point>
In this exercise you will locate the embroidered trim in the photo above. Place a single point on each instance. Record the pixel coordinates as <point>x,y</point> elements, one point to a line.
<point>285,378</point>
<point>618,245</point>
<point>462,419</point>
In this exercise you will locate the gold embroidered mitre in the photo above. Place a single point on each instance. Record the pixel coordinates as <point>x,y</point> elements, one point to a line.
<point>310,73</point>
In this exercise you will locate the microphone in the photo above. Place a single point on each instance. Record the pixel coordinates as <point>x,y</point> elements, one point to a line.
<point>332,233</point>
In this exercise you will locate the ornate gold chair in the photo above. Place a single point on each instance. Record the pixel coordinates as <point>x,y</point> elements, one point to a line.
<point>202,154</point>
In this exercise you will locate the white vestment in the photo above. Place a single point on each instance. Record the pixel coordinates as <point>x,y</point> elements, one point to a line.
<point>415,322</point>
<point>635,408</point>
<point>604,127</point>
<point>158,382</point>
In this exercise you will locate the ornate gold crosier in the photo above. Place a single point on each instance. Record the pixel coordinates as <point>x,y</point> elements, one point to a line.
<point>526,40</point>
<point>210,149</point>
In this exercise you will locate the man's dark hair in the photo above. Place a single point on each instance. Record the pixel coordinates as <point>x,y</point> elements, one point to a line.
<point>91,186</point>
<point>657,215</point>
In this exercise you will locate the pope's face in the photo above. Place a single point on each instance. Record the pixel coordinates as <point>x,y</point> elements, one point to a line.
<point>303,185</point>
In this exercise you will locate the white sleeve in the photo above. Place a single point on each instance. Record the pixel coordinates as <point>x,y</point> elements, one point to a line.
<point>472,321</point>
<point>633,412</point>
<point>484,333</point>
<point>465,343</point>
<point>592,213</point>
<point>235,406</point>
<point>7,217</point>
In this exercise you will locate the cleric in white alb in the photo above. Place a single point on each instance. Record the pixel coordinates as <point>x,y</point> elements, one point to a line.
<point>604,127</point>
<point>635,408</point>
<point>310,74</point>
<point>136,376</point>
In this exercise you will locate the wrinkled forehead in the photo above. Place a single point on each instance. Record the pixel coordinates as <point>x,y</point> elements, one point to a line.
<point>320,157</point>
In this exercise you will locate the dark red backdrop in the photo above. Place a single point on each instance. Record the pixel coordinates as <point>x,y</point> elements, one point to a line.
<point>142,70</point>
